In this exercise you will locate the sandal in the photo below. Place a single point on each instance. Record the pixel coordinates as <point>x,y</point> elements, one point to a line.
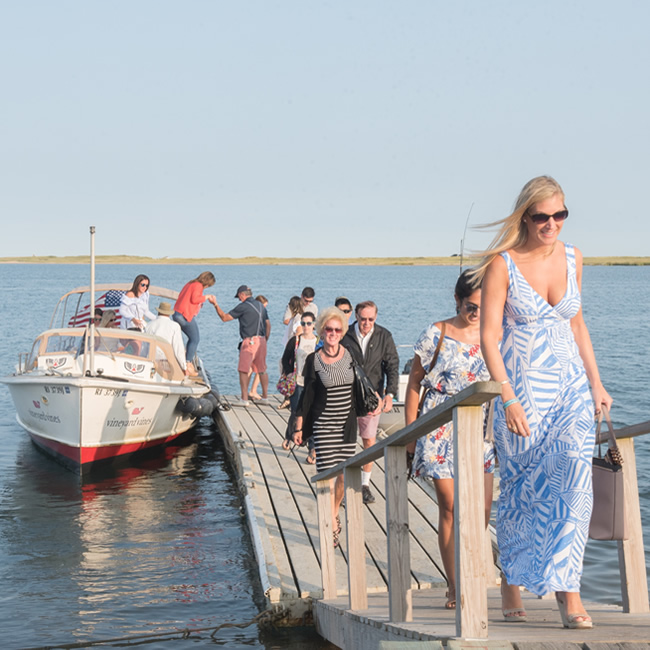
<point>451,601</point>
<point>254,397</point>
<point>338,524</point>
<point>311,457</point>
<point>286,444</point>
<point>336,538</point>
<point>574,621</point>
<point>515,614</point>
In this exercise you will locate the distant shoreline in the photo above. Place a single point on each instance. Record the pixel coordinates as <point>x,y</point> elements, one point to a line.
<point>293,261</point>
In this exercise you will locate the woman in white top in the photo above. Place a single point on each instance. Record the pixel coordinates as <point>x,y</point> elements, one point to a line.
<point>135,305</point>
<point>295,353</point>
<point>292,327</point>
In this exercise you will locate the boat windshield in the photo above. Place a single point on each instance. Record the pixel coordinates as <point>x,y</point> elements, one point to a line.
<point>118,352</point>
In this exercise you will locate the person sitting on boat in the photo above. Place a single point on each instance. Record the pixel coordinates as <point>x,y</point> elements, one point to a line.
<point>188,304</point>
<point>135,305</point>
<point>108,320</point>
<point>164,327</point>
<point>254,329</point>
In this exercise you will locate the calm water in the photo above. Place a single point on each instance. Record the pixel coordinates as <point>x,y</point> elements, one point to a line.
<point>165,546</point>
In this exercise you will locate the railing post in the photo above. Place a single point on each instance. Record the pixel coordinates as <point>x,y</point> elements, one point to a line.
<point>631,557</point>
<point>326,539</point>
<point>397,528</point>
<point>469,523</point>
<point>356,539</point>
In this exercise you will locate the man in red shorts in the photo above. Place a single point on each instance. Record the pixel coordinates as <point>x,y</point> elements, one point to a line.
<point>254,330</point>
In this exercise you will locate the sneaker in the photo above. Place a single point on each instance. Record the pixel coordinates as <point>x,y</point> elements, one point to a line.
<point>368,496</point>
<point>262,400</point>
<point>242,402</point>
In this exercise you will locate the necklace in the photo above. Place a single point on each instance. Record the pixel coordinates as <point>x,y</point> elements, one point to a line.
<point>331,356</point>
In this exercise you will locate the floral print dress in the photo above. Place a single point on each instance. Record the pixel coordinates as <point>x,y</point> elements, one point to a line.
<point>458,365</point>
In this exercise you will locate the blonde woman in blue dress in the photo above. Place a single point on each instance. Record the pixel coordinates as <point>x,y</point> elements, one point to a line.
<point>551,390</point>
<point>458,364</point>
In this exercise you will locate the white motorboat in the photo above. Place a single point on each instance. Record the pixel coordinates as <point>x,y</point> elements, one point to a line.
<point>87,394</point>
<point>131,395</point>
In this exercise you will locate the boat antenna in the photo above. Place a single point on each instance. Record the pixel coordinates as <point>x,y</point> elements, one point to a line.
<point>90,346</point>
<point>462,241</point>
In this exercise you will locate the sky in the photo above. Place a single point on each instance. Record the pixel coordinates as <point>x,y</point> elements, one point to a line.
<point>307,128</point>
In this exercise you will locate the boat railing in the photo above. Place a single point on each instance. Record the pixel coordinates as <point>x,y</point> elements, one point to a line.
<point>472,561</point>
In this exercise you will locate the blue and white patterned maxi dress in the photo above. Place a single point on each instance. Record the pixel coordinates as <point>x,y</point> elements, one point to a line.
<point>546,496</point>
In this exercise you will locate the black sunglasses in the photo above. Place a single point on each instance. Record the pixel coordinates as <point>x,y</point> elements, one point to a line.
<point>541,217</point>
<point>306,322</point>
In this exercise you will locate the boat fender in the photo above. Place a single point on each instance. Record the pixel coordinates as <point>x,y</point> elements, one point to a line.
<point>206,407</point>
<point>189,405</point>
<point>210,397</point>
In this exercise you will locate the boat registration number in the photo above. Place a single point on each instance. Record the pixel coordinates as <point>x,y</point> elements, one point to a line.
<point>111,392</point>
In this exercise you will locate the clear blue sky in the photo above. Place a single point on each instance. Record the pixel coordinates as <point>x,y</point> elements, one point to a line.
<point>317,128</point>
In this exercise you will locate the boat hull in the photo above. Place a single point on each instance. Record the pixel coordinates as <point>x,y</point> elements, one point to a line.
<point>81,421</point>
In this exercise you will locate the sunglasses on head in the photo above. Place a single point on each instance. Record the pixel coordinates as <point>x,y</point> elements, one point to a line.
<point>542,217</point>
<point>329,330</point>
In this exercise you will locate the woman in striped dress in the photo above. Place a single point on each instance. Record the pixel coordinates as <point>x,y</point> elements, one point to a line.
<point>326,408</point>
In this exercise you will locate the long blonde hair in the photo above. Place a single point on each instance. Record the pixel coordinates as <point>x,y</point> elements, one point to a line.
<point>512,230</point>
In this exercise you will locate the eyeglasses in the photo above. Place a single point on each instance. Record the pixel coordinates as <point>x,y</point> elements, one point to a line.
<point>541,217</point>
<point>329,330</point>
<point>304,323</point>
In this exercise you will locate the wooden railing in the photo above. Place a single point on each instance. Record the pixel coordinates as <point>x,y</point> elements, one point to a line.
<point>466,410</point>
<point>631,556</point>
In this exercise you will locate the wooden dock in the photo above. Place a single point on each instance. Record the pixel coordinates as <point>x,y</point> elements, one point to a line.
<point>282,514</point>
<point>281,509</point>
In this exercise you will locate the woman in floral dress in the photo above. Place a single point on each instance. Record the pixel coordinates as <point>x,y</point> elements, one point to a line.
<point>458,364</point>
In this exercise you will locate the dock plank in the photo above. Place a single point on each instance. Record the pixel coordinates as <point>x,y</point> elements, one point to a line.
<point>289,522</point>
<point>287,584</point>
<point>284,505</point>
<point>300,473</point>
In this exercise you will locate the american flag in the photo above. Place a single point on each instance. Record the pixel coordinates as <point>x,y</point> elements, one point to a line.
<point>109,300</point>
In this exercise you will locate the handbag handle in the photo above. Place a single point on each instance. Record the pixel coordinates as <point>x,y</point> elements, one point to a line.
<point>614,453</point>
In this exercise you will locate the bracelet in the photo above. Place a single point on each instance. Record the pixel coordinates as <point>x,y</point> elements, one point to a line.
<point>297,430</point>
<point>505,381</point>
<point>510,402</point>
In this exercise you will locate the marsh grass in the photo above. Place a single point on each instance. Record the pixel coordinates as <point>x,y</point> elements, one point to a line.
<point>293,261</point>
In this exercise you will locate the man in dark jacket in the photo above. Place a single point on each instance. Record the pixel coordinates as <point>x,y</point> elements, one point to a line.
<point>373,348</point>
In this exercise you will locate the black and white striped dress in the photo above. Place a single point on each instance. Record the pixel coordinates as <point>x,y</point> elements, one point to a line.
<point>328,431</point>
